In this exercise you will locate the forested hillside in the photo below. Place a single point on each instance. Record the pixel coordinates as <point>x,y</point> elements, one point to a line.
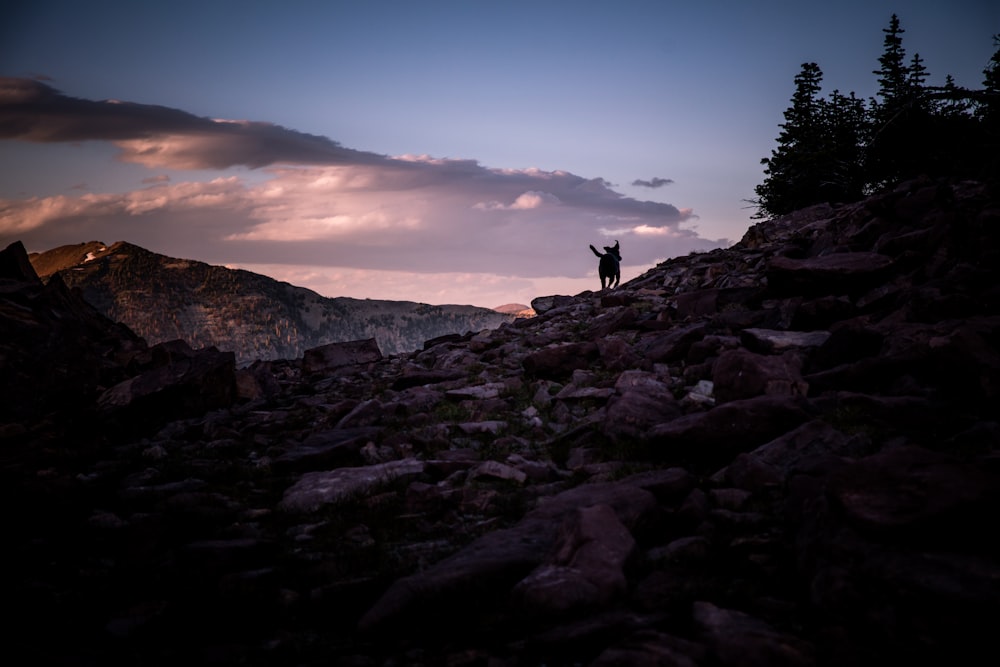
<point>164,298</point>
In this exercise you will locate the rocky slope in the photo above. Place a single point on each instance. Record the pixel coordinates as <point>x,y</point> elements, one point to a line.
<point>781,453</point>
<point>163,298</point>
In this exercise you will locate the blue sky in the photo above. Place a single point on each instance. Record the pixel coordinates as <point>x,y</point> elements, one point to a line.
<point>443,152</point>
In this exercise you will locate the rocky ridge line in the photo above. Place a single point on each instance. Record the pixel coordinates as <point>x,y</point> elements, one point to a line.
<point>781,453</point>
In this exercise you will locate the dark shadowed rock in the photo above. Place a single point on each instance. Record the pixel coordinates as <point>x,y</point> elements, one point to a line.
<point>768,341</point>
<point>715,436</point>
<point>559,361</point>
<point>188,384</point>
<point>742,374</point>
<point>739,640</point>
<point>477,579</point>
<point>15,265</point>
<point>316,489</point>
<point>813,448</point>
<point>674,344</point>
<point>58,353</point>
<point>642,402</point>
<point>917,493</point>
<point>324,449</point>
<point>837,273</point>
<point>334,355</point>
<point>586,569</point>
<point>543,304</point>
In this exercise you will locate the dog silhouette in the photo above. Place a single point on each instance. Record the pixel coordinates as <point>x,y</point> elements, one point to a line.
<point>609,268</point>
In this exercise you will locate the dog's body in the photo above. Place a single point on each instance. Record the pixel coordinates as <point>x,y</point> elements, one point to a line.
<point>609,268</point>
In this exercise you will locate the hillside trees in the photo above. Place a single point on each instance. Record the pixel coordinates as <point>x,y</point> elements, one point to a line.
<point>840,149</point>
<point>818,150</point>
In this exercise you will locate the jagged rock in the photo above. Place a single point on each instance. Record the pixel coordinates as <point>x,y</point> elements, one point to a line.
<point>316,489</point>
<point>643,402</point>
<point>737,639</point>
<point>466,583</point>
<point>334,355</point>
<point>717,435</point>
<point>813,449</point>
<point>415,376</point>
<point>573,392</point>
<point>497,470</point>
<point>477,392</point>
<point>743,374</point>
<point>543,304</point>
<point>327,448</point>
<point>674,344</point>
<point>559,361</point>
<point>58,353</point>
<point>15,265</point>
<point>915,491</point>
<point>837,273</point>
<point>767,341</point>
<point>190,383</point>
<point>257,381</point>
<point>492,427</point>
<point>653,649</point>
<point>586,569</point>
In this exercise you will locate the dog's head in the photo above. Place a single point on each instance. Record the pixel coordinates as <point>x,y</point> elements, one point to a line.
<point>614,250</point>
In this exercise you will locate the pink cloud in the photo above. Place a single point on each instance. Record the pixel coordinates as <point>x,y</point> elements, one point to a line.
<point>318,204</point>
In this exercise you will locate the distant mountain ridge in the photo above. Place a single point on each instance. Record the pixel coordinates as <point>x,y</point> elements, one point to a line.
<point>164,298</point>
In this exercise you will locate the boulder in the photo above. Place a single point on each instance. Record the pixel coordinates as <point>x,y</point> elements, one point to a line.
<point>742,374</point>
<point>326,358</point>
<point>586,569</point>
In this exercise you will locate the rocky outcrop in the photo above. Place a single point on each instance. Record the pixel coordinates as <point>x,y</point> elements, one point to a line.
<point>780,453</point>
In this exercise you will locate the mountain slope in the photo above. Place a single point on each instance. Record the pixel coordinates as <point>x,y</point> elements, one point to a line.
<point>783,453</point>
<point>163,298</point>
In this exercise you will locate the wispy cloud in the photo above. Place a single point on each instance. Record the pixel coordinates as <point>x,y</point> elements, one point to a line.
<point>656,182</point>
<point>324,205</point>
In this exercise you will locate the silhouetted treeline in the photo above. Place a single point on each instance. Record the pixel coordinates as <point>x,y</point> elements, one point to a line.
<point>841,149</point>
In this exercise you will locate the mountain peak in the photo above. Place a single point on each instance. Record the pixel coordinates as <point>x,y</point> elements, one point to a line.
<point>164,298</point>
<point>516,309</point>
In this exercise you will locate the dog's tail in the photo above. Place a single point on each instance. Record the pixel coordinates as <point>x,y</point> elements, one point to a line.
<point>595,251</point>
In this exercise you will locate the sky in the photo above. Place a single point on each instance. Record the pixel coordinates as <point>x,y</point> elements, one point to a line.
<point>444,152</point>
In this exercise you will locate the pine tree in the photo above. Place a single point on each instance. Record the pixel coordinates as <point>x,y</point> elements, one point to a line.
<point>893,75</point>
<point>792,179</point>
<point>916,74</point>
<point>895,115</point>
<point>845,127</point>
